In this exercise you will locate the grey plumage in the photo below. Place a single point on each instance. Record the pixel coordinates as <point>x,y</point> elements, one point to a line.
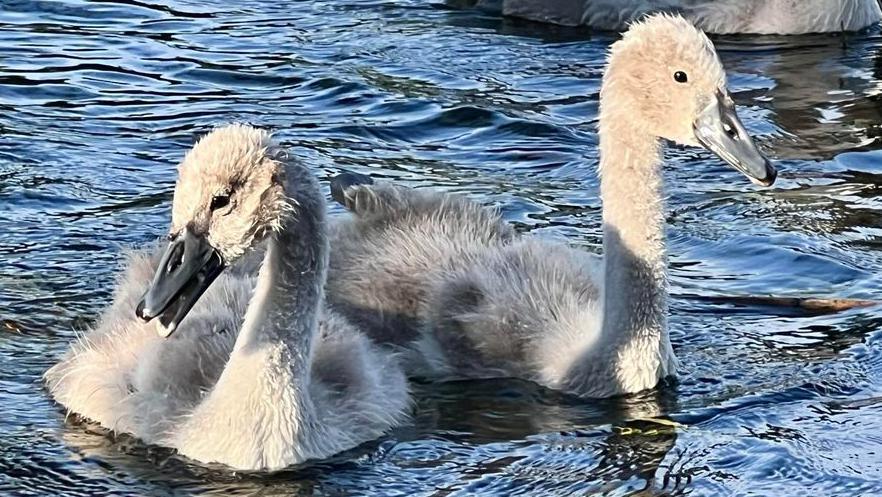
<point>447,280</point>
<point>380,281</point>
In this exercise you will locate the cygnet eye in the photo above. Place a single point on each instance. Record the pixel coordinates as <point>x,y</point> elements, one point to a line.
<point>219,202</point>
<point>680,77</point>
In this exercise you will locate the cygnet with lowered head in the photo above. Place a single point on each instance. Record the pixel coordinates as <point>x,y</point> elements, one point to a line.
<point>296,382</point>
<point>448,280</point>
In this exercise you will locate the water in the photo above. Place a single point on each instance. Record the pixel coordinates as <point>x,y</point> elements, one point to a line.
<point>99,100</point>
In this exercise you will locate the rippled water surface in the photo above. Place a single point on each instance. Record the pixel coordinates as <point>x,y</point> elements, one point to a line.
<point>100,99</point>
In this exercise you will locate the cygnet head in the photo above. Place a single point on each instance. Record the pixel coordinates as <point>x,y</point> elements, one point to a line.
<point>664,80</point>
<point>228,198</point>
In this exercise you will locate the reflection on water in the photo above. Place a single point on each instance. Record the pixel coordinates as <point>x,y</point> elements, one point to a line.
<point>820,91</point>
<point>99,99</point>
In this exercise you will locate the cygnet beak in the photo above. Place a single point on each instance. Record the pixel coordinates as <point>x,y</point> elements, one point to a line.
<point>187,268</point>
<point>720,131</point>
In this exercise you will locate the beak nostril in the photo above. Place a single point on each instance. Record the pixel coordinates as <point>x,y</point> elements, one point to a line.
<point>730,131</point>
<point>176,258</point>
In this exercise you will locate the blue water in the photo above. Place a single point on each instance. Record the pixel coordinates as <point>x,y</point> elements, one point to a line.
<point>100,99</point>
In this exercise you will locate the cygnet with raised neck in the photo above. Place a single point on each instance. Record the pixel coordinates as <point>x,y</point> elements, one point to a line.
<point>449,281</point>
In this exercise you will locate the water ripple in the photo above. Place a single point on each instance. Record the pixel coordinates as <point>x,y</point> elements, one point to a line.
<point>99,100</point>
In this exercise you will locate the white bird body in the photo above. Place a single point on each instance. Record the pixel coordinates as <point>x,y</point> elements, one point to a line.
<point>785,17</point>
<point>260,376</point>
<point>116,369</point>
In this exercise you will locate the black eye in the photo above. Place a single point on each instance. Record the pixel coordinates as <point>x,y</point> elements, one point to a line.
<point>680,77</point>
<point>219,202</point>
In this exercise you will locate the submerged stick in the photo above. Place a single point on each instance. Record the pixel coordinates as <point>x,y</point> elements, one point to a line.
<point>811,304</point>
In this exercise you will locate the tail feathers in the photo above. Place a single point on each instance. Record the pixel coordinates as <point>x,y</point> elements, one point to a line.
<point>343,182</point>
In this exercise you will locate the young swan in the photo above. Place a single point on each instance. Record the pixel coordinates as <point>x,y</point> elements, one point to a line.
<point>484,302</point>
<point>295,383</point>
<point>715,16</point>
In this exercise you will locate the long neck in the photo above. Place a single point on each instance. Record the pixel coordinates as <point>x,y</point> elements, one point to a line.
<point>635,263</point>
<point>285,308</point>
<point>260,411</point>
<point>633,350</point>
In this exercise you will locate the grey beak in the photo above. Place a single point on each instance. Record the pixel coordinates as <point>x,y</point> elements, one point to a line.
<point>720,131</point>
<point>187,268</point>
